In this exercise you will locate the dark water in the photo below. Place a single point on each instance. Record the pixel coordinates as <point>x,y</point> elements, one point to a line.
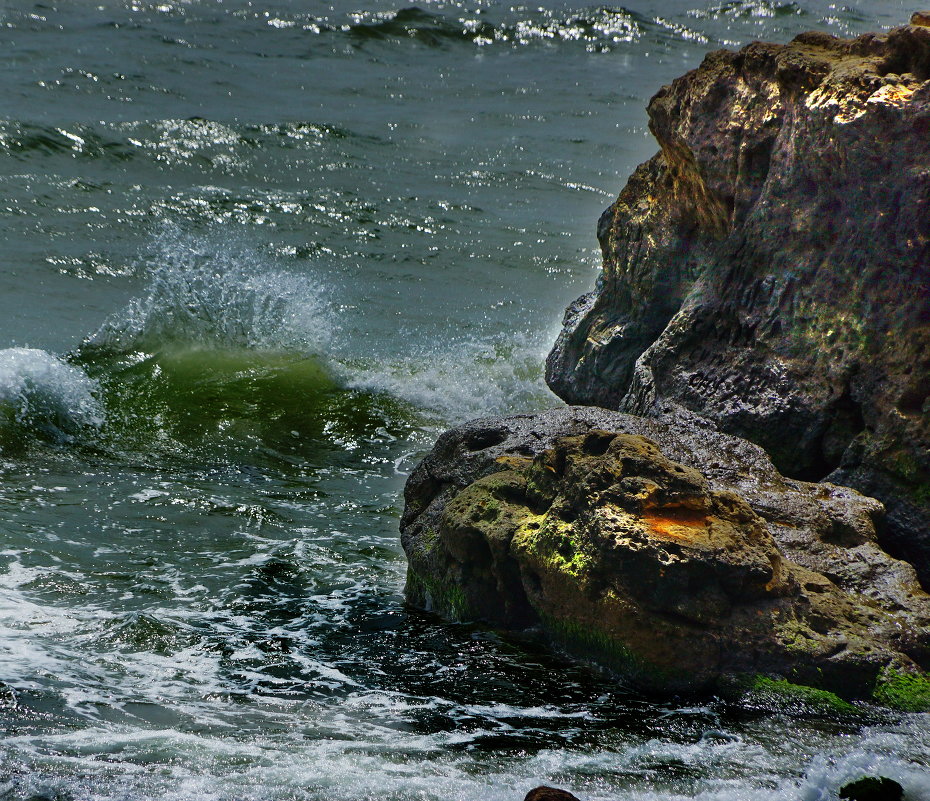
<point>255,256</point>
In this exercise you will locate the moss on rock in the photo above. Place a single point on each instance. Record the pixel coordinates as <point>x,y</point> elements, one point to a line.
<point>442,597</point>
<point>784,695</point>
<point>908,692</point>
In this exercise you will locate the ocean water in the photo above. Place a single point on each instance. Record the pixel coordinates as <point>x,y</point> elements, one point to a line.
<point>256,255</point>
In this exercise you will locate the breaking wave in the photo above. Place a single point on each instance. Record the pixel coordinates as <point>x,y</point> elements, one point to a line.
<point>41,395</point>
<point>208,293</point>
<point>220,321</point>
<point>462,378</point>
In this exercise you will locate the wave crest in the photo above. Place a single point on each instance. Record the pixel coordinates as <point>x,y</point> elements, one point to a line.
<point>42,395</point>
<point>597,28</point>
<point>203,293</point>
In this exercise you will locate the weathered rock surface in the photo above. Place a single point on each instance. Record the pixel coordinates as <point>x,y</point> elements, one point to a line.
<point>663,548</point>
<point>769,268</point>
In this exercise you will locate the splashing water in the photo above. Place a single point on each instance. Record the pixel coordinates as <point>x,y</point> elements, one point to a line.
<point>214,303</point>
<point>462,378</point>
<point>41,394</point>
<point>203,292</point>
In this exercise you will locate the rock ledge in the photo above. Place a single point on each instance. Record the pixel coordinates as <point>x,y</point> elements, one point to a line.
<point>666,550</point>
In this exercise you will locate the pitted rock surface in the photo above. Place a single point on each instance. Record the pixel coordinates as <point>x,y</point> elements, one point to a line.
<point>666,549</point>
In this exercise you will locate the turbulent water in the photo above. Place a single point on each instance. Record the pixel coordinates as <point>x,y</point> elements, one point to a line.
<point>255,256</point>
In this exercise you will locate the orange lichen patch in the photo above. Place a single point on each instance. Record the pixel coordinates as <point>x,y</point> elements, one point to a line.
<point>676,523</point>
<point>513,462</point>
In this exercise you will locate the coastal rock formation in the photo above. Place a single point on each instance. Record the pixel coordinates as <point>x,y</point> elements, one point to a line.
<point>665,549</point>
<point>769,268</point>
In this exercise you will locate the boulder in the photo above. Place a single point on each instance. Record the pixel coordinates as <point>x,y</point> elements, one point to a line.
<point>664,549</point>
<point>544,793</point>
<point>769,268</point>
<point>872,788</point>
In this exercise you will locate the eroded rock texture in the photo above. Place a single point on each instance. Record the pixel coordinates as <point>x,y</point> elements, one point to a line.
<point>664,548</point>
<point>769,268</point>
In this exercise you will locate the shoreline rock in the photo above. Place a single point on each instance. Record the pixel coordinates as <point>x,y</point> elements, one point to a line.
<point>666,550</point>
<point>546,793</point>
<point>769,268</point>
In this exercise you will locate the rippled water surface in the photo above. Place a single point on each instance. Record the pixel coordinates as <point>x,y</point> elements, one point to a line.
<point>256,255</point>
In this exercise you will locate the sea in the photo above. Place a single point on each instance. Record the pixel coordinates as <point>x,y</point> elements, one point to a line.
<point>256,256</point>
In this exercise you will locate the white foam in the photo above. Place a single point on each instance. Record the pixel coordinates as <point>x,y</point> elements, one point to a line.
<point>39,391</point>
<point>464,378</point>
<point>359,759</point>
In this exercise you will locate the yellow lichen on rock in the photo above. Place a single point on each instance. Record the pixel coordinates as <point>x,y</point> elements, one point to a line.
<point>892,94</point>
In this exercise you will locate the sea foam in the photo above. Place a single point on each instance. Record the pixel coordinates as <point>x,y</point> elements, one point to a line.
<point>40,393</point>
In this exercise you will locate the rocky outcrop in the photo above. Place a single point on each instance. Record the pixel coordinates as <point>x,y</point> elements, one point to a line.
<point>665,549</point>
<point>769,268</point>
<point>872,788</point>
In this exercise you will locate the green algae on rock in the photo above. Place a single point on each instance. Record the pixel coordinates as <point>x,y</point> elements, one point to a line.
<point>909,692</point>
<point>667,551</point>
<point>782,694</point>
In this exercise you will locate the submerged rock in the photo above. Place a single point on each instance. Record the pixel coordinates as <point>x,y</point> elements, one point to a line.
<point>872,788</point>
<point>769,268</point>
<point>666,550</point>
<point>549,794</point>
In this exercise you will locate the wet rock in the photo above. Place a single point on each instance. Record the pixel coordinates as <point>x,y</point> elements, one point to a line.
<point>549,794</point>
<point>8,698</point>
<point>871,788</point>
<point>769,268</point>
<point>665,549</point>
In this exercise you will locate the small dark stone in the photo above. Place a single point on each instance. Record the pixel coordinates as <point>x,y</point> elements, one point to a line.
<point>872,788</point>
<point>549,794</point>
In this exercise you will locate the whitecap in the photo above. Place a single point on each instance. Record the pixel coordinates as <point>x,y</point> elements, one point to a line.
<point>215,293</point>
<point>43,395</point>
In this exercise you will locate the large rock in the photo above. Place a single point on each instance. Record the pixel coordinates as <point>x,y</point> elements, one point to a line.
<point>662,548</point>
<point>769,268</point>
